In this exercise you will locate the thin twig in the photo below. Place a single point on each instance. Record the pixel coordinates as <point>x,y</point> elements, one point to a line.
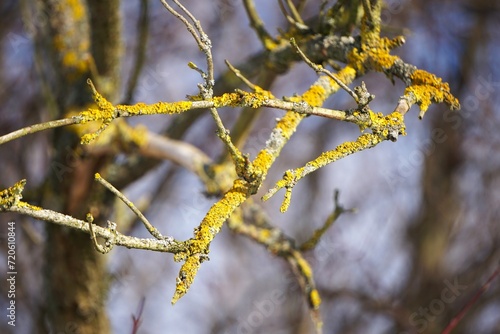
<point>257,24</point>
<point>188,25</point>
<point>454,322</point>
<point>338,210</point>
<point>168,245</point>
<point>206,90</point>
<point>240,76</point>
<point>137,319</point>
<point>38,127</point>
<point>295,12</point>
<point>205,45</point>
<point>368,9</point>
<point>201,39</point>
<point>284,12</point>
<point>320,69</point>
<point>154,232</point>
<point>100,248</point>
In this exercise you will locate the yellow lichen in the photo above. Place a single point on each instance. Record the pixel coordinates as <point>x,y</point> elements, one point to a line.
<point>264,234</point>
<point>205,233</point>
<point>22,204</point>
<point>227,99</point>
<point>288,123</point>
<point>314,299</point>
<point>217,215</point>
<point>315,96</point>
<point>106,113</point>
<point>427,88</point>
<point>263,161</point>
<point>376,57</point>
<point>381,123</point>
<point>370,24</point>
<point>257,99</point>
<point>186,277</point>
<point>12,195</point>
<point>243,99</point>
<point>77,8</point>
<point>364,141</point>
<point>270,44</point>
<point>305,268</point>
<point>72,48</point>
<point>156,108</point>
<point>138,134</point>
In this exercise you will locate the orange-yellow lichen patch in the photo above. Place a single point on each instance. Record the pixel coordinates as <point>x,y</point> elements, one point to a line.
<point>314,299</point>
<point>243,99</point>
<point>22,204</point>
<point>227,99</point>
<point>12,195</point>
<point>427,88</point>
<point>264,234</point>
<point>257,99</point>
<point>77,9</point>
<point>205,233</point>
<point>291,177</point>
<point>71,46</point>
<point>376,57</point>
<point>93,114</point>
<point>366,140</point>
<point>217,215</point>
<point>304,266</point>
<point>186,277</point>
<point>156,108</point>
<point>370,24</point>
<point>315,95</point>
<point>288,123</point>
<point>263,161</point>
<point>381,123</point>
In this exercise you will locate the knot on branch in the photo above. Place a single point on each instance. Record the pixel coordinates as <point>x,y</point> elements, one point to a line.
<point>363,97</point>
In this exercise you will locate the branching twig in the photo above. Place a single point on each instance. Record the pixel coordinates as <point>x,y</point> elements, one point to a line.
<point>370,52</point>
<point>315,238</point>
<point>109,243</point>
<point>167,245</point>
<point>154,232</point>
<point>201,39</point>
<point>321,69</point>
<point>137,318</point>
<point>253,223</point>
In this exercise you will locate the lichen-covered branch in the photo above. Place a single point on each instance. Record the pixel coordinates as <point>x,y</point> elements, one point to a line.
<point>10,201</point>
<point>360,54</point>
<point>37,128</point>
<point>253,223</point>
<point>255,21</point>
<point>197,248</point>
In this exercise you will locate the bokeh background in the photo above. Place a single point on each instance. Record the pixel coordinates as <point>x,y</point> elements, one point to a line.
<point>425,236</point>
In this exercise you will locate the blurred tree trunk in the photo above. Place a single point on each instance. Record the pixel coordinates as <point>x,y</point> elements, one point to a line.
<point>77,40</point>
<point>441,203</point>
